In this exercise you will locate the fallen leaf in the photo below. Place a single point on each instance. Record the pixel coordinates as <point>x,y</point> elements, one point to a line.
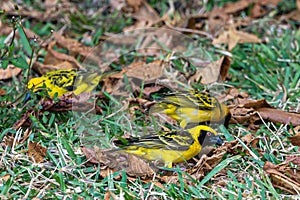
<point>244,111</point>
<point>41,68</point>
<point>55,58</point>
<point>5,177</point>
<point>232,37</point>
<point>149,90</point>
<point>7,141</point>
<point>2,92</point>
<point>294,15</point>
<point>268,2</point>
<point>233,93</point>
<point>145,15</point>
<point>233,7</point>
<point>118,4</point>
<point>146,71</point>
<point>107,195</point>
<point>9,72</point>
<point>24,119</point>
<point>295,140</point>
<point>280,180</point>
<point>279,116</point>
<point>50,3</point>
<point>212,72</point>
<point>36,152</point>
<point>207,162</point>
<point>135,4</point>
<point>217,19</point>
<point>50,14</point>
<point>258,11</point>
<point>256,104</point>
<point>225,65</point>
<point>90,155</point>
<point>71,102</point>
<point>116,160</point>
<point>73,46</point>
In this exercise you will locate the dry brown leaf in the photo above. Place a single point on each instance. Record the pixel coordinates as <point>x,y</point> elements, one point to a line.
<point>268,2</point>
<point>36,152</point>
<point>71,102</point>
<point>118,4</point>
<point>2,92</point>
<point>295,159</point>
<point>23,120</point>
<point>232,37</point>
<point>5,177</point>
<point>279,116</point>
<point>298,4</point>
<point>90,155</point>
<point>134,3</point>
<point>207,163</point>
<point>212,72</point>
<point>145,15</point>
<point>217,19</point>
<point>256,104</point>
<point>9,72</point>
<point>115,160</point>
<point>258,11</point>
<point>241,115</point>
<point>244,111</point>
<point>146,71</point>
<point>7,141</point>
<point>6,29</point>
<point>295,140</point>
<point>282,181</point>
<point>294,15</point>
<point>107,195</point>
<point>72,45</point>
<point>235,147</point>
<point>49,14</point>
<point>44,68</point>
<point>55,58</point>
<point>50,3</point>
<point>233,7</point>
<point>151,89</point>
<point>231,94</point>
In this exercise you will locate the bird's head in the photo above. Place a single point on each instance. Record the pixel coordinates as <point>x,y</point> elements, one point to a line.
<point>35,84</point>
<point>206,135</point>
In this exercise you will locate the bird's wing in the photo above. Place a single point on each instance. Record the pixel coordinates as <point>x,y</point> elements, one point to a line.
<point>172,140</point>
<point>190,99</point>
<point>63,78</point>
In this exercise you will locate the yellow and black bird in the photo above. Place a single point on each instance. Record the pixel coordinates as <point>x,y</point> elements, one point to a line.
<point>172,146</point>
<point>64,81</point>
<point>191,107</point>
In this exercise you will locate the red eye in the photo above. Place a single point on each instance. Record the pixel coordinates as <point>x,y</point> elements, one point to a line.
<point>208,133</point>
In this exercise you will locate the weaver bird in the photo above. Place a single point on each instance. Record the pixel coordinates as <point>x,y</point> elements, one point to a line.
<point>60,82</point>
<point>191,107</point>
<point>173,146</point>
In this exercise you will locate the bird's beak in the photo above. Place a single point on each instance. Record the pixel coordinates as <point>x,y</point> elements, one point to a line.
<point>27,97</point>
<point>216,140</point>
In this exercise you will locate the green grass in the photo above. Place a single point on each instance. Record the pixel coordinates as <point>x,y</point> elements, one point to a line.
<point>268,70</point>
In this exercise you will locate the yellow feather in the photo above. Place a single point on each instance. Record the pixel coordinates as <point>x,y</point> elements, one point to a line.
<point>62,82</point>
<point>191,107</point>
<point>173,146</point>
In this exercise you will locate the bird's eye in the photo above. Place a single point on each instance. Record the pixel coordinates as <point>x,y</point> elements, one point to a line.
<point>208,133</point>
